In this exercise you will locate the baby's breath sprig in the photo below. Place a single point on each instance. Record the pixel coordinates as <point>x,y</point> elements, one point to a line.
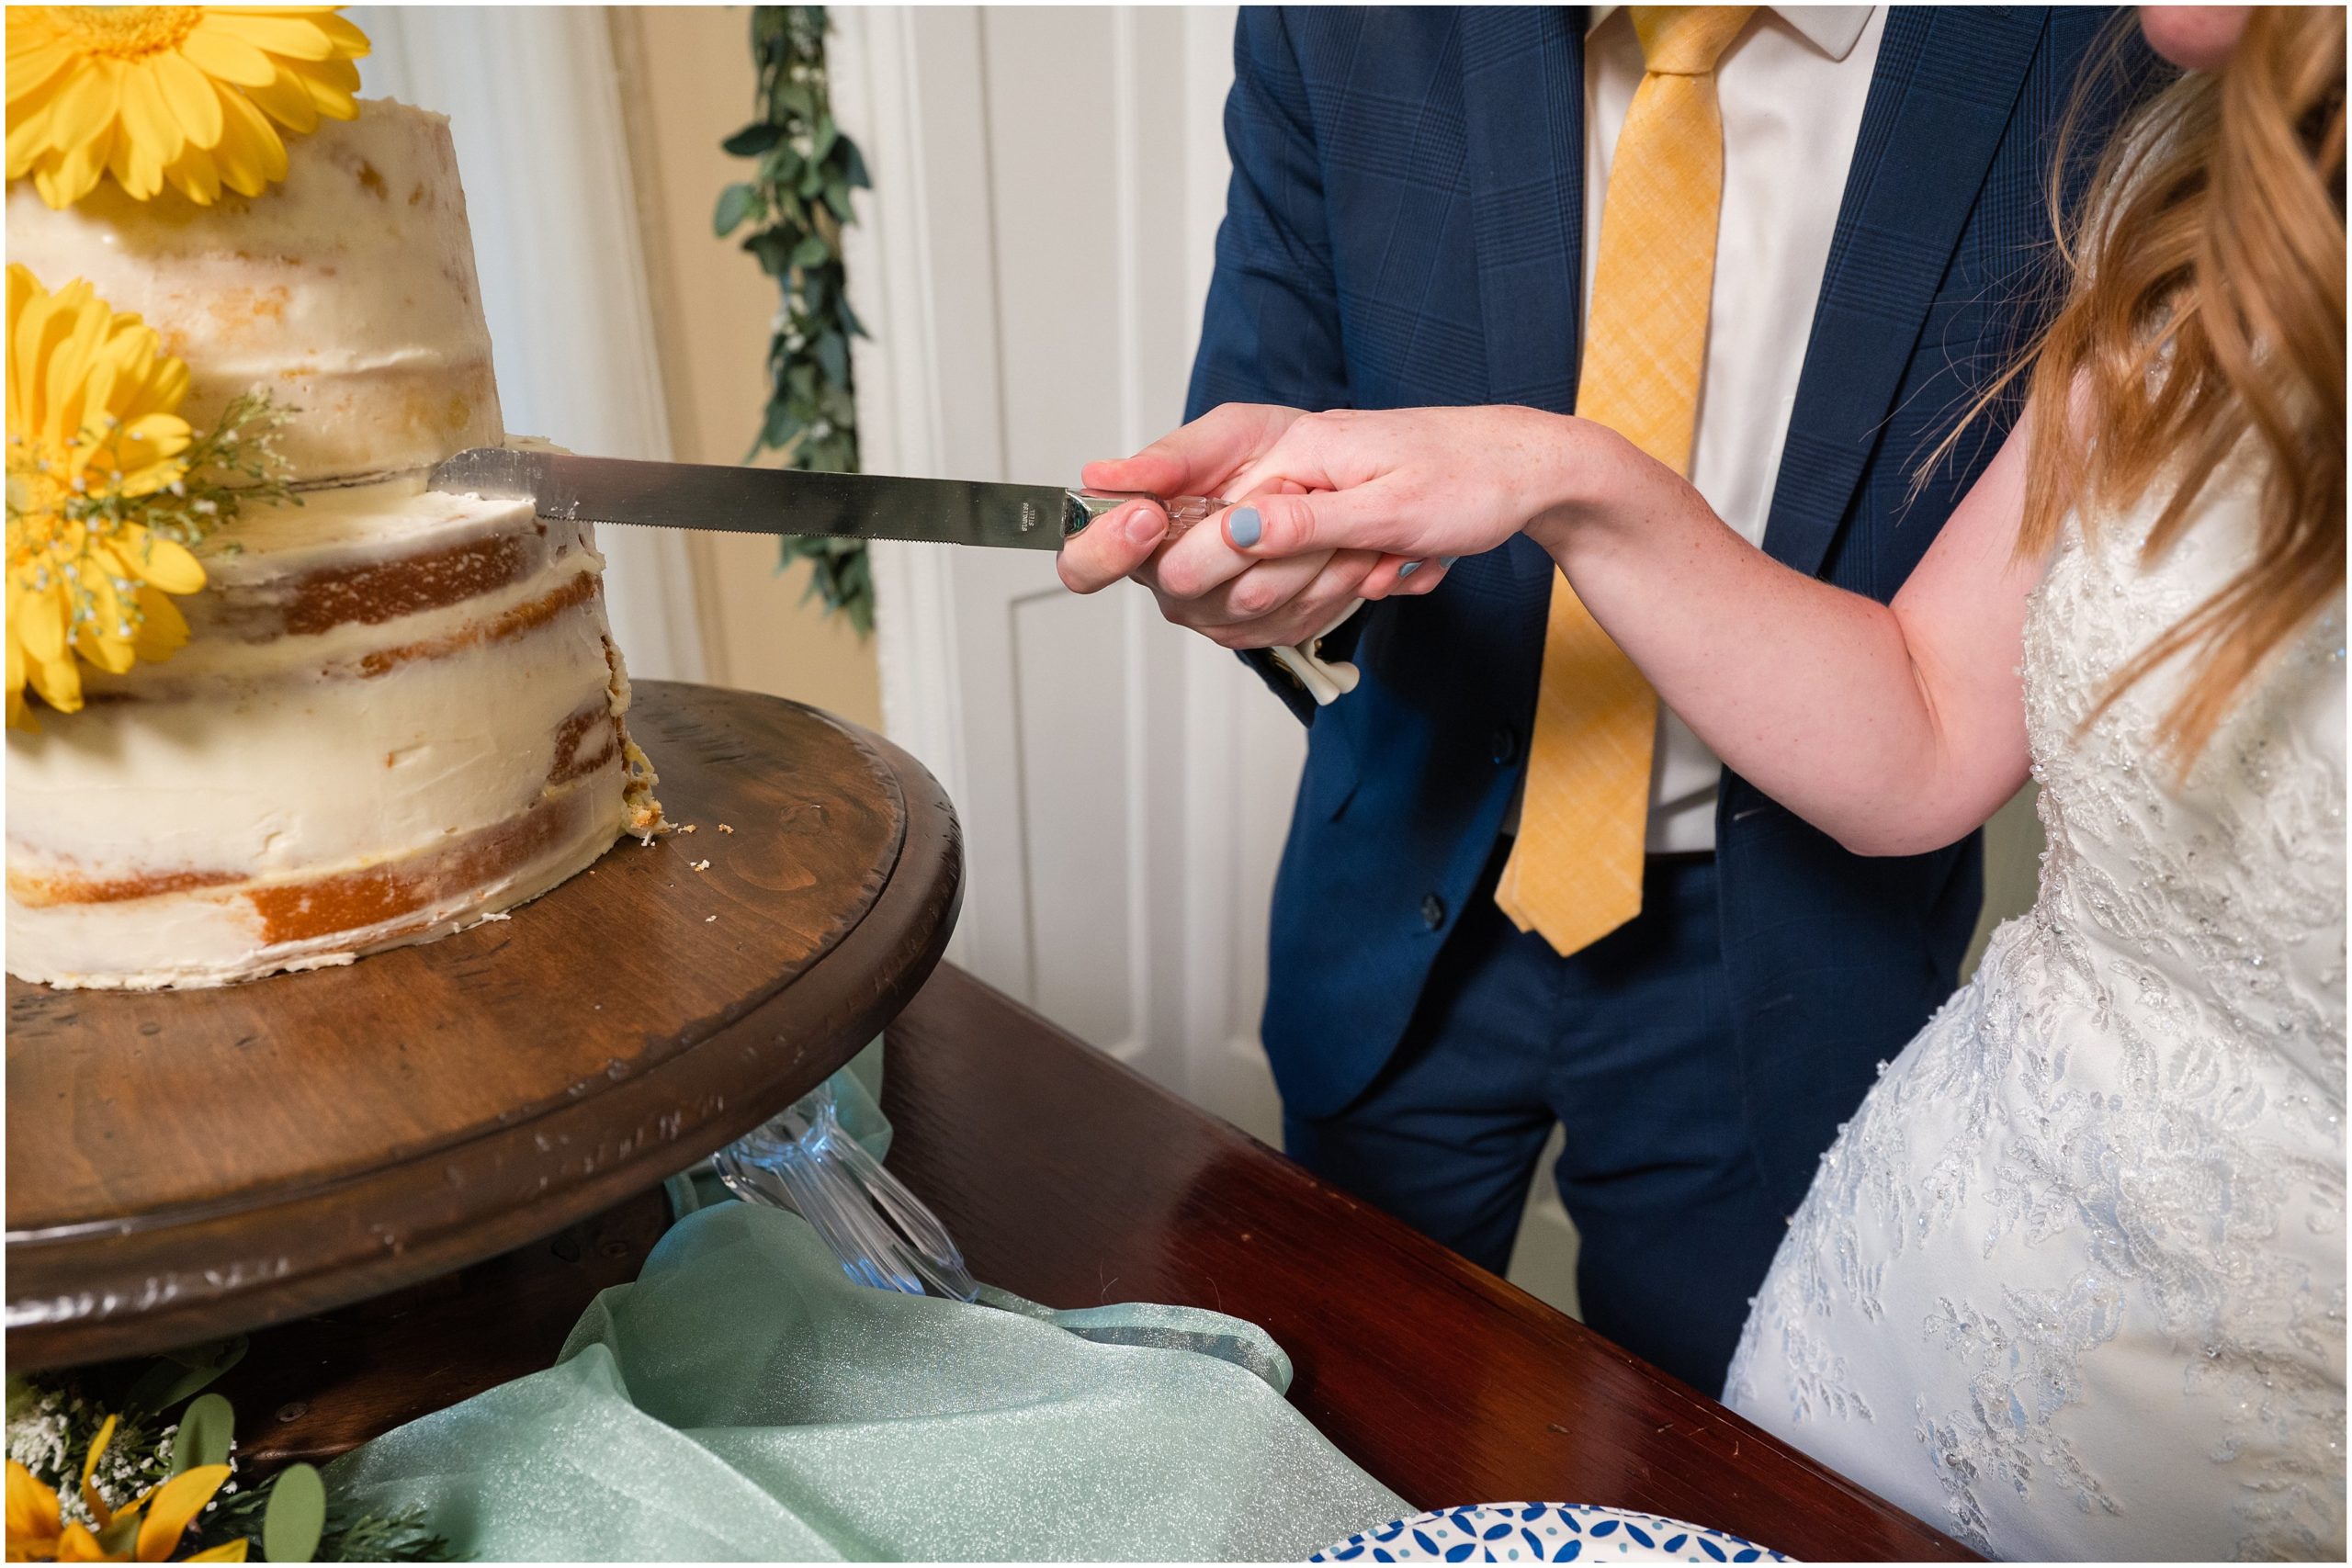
<point>235,463</point>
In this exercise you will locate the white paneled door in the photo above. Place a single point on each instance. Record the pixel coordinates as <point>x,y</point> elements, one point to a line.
<point>1031,265</point>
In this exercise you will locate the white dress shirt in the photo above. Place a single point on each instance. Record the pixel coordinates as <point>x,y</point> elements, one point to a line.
<point>1791,86</point>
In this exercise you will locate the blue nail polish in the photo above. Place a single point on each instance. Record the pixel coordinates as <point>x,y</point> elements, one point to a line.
<point>1447,561</point>
<point>1244,527</point>
<point>1408,570</point>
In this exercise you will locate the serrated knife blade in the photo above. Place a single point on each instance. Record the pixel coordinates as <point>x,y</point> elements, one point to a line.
<point>563,487</point>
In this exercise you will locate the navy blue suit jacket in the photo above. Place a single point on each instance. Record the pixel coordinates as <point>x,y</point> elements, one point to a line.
<point>1404,228</point>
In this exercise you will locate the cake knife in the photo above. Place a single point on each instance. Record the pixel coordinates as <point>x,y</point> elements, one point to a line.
<point>565,488</point>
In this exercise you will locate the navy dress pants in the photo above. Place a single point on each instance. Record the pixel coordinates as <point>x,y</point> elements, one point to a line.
<point>1629,1045</point>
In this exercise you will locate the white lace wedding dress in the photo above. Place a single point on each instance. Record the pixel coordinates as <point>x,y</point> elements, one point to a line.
<point>2071,1284</point>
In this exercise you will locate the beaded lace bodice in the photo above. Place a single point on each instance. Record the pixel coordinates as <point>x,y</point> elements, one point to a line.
<point>2093,1219</point>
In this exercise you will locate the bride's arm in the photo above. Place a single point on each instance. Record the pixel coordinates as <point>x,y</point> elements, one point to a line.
<point>1895,728</point>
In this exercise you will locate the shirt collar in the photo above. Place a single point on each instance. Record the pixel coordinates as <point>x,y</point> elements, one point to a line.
<point>1833,30</point>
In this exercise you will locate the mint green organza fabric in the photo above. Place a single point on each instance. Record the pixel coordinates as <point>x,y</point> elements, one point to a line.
<point>744,1399</point>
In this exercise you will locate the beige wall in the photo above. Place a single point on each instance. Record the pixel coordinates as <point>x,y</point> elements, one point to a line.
<point>686,83</point>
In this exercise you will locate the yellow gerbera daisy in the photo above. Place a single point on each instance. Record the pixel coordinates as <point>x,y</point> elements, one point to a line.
<point>93,425</point>
<point>192,94</point>
<point>149,1531</point>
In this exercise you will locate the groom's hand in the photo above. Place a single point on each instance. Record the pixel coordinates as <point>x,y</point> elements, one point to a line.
<point>1200,579</point>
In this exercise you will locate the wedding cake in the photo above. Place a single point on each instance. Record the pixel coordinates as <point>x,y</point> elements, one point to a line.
<point>395,713</point>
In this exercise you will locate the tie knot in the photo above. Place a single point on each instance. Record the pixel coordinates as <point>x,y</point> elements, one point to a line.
<point>1686,40</point>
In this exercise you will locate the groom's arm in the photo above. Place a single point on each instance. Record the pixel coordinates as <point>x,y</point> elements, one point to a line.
<point>1271,332</point>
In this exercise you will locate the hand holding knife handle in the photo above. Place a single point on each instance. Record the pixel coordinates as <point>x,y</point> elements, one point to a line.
<point>1326,681</point>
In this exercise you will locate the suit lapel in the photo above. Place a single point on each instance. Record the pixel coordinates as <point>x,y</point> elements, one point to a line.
<point>1946,83</point>
<point>1522,80</point>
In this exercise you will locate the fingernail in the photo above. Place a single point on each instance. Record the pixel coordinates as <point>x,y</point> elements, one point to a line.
<point>1140,527</point>
<point>1408,570</point>
<point>1447,561</point>
<point>1244,527</point>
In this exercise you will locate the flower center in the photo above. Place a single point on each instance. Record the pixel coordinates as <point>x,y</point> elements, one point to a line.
<point>39,490</point>
<point>130,32</point>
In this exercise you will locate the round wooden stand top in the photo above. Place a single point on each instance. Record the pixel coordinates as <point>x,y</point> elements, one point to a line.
<point>189,1164</point>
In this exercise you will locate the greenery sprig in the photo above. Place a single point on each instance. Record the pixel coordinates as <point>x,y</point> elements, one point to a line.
<point>125,1412</point>
<point>796,201</point>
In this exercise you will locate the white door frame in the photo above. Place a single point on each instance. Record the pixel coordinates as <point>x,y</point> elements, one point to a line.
<point>1210,760</point>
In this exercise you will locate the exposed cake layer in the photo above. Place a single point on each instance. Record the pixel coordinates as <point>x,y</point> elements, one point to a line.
<point>348,291</point>
<point>401,712</point>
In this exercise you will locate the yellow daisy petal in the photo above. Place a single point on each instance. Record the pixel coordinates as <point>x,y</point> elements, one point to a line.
<point>86,107</point>
<point>32,69</point>
<point>249,154</point>
<point>33,1517</point>
<point>76,175</point>
<point>28,134</point>
<point>286,101</point>
<point>163,630</point>
<point>147,117</point>
<point>349,42</point>
<point>234,1551</point>
<point>180,1500</point>
<point>58,683</point>
<point>195,101</point>
<point>20,716</point>
<point>169,565</point>
<point>337,97</point>
<point>78,1545</point>
<point>294,37</point>
<point>91,1499</point>
<point>37,621</point>
<point>219,52</point>
<point>194,173</point>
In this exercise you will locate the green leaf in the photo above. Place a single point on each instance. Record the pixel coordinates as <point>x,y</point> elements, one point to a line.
<point>753,139</point>
<point>296,1516</point>
<point>832,357</point>
<point>183,1374</point>
<point>774,249</point>
<point>206,1427</point>
<point>854,165</point>
<point>780,428</point>
<point>812,251</point>
<point>837,197</point>
<point>734,206</point>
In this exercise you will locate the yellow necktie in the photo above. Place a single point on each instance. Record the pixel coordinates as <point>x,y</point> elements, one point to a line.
<point>1574,874</point>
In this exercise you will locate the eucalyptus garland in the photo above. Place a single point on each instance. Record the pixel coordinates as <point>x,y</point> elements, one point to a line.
<point>797,202</point>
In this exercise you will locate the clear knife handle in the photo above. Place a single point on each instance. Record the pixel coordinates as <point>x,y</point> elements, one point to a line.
<point>1325,679</point>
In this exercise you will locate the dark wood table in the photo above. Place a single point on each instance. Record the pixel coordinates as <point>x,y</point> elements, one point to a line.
<point>1073,1181</point>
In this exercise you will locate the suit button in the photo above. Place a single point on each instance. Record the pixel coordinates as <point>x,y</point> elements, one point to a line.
<point>1433,911</point>
<point>1504,745</point>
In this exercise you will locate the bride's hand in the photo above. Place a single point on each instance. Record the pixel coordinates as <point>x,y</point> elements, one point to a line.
<point>1428,485</point>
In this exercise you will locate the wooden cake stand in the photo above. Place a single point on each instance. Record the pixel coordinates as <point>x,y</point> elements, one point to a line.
<point>184,1165</point>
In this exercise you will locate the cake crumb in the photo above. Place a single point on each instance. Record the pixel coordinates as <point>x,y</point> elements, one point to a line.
<point>496,915</point>
<point>725,829</point>
<point>707,919</point>
<point>702,865</point>
<point>686,826</point>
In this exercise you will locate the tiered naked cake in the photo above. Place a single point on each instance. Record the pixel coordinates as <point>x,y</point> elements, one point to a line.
<point>398,713</point>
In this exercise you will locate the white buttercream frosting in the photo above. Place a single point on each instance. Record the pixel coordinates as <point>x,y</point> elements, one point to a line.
<point>399,711</point>
<point>347,290</point>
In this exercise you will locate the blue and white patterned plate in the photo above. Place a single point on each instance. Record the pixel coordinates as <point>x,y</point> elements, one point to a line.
<point>1543,1532</point>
